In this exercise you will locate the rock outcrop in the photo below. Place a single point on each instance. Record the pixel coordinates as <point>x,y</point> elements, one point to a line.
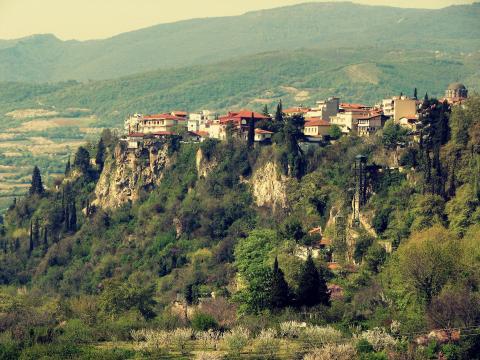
<point>129,172</point>
<point>269,187</point>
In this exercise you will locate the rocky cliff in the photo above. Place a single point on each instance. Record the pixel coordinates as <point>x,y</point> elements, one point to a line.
<point>128,172</point>
<point>269,187</point>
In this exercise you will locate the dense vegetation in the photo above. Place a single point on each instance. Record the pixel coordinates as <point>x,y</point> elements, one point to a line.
<point>195,264</point>
<point>330,26</point>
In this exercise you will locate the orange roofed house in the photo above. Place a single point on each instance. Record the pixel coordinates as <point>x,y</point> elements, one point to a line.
<point>239,120</point>
<point>316,127</point>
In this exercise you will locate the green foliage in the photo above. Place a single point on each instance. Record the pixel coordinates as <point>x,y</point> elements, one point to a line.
<point>203,322</point>
<point>82,160</point>
<point>312,287</point>
<point>335,132</point>
<point>393,135</point>
<point>119,297</point>
<point>37,187</point>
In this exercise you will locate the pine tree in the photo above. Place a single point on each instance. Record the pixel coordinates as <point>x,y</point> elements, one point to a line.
<point>37,187</point>
<point>100,157</point>
<point>312,287</point>
<point>280,293</point>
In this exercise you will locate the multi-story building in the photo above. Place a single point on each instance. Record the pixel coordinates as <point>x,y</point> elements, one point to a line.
<point>324,109</point>
<point>399,106</point>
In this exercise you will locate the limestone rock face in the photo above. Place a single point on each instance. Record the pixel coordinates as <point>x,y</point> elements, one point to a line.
<point>129,172</point>
<point>269,187</point>
<point>204,165</point>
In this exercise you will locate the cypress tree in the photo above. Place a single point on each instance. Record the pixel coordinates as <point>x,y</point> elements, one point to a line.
<point>82,160</point>
<point>72,226</point>
<point>36,232</point>
<point>45,238</point>
<point>68,167</point>
<point>280,293</point>
<point>100,157</point>
<point>251,131</point>
<point>312,287</point>
<point>37,186</point>
<point>415,94</point>
<point>279,113</point>
<point>265,110</point>
<point>30,243</point>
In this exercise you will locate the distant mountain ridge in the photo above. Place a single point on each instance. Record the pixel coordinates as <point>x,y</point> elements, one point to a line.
<point>43,58</point>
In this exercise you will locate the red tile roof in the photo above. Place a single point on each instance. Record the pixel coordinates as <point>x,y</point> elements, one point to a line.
<point>160,133</point>
<point>295,110</point>
<point>163,117</point>
<point>180,113</point>
<point>316,122</point>
<point>136,134</point>
<point>200,133</point>
<point>261,131</point>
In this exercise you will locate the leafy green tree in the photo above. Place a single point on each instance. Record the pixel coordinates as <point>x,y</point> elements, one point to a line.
<point>335,132</point>
<point>312,287</point>
<point>36,187</point>
<point>252,256</point>
<point>393,134</point>
<point>375,257</point>
<point>292,230</point>
<point>280,292</point>
<point>203,322</point>
<point>118,297</point>
<point>428,261</point>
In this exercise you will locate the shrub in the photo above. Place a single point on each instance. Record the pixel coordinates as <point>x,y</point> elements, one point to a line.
<point>379,339</point>
<point>314,336</point>
<point>291,329</point>
<point>181,340</point>
<point>266,344</point>
<point>203,322</point>
<point>151,340</point>
<point>363,347</point>
<point>332,352</point>
<point>208,356</point>
<point>209,339</point>
<point>236,340</point>
<point>75,331</point>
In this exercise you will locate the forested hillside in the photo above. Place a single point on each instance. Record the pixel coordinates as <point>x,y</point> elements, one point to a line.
<point>330,26</point>
<point>215,256</point>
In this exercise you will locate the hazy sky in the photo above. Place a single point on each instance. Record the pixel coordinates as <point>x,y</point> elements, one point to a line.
<point>91,19</point>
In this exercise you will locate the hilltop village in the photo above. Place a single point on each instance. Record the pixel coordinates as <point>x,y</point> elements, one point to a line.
<point>327,119</point>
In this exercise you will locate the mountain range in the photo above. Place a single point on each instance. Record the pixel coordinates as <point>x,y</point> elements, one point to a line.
<point>329,26</point>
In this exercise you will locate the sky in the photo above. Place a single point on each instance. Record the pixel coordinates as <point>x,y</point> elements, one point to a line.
<point>94,19</point>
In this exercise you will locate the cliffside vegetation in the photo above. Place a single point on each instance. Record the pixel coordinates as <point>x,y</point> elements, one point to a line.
<point>194,251</point>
